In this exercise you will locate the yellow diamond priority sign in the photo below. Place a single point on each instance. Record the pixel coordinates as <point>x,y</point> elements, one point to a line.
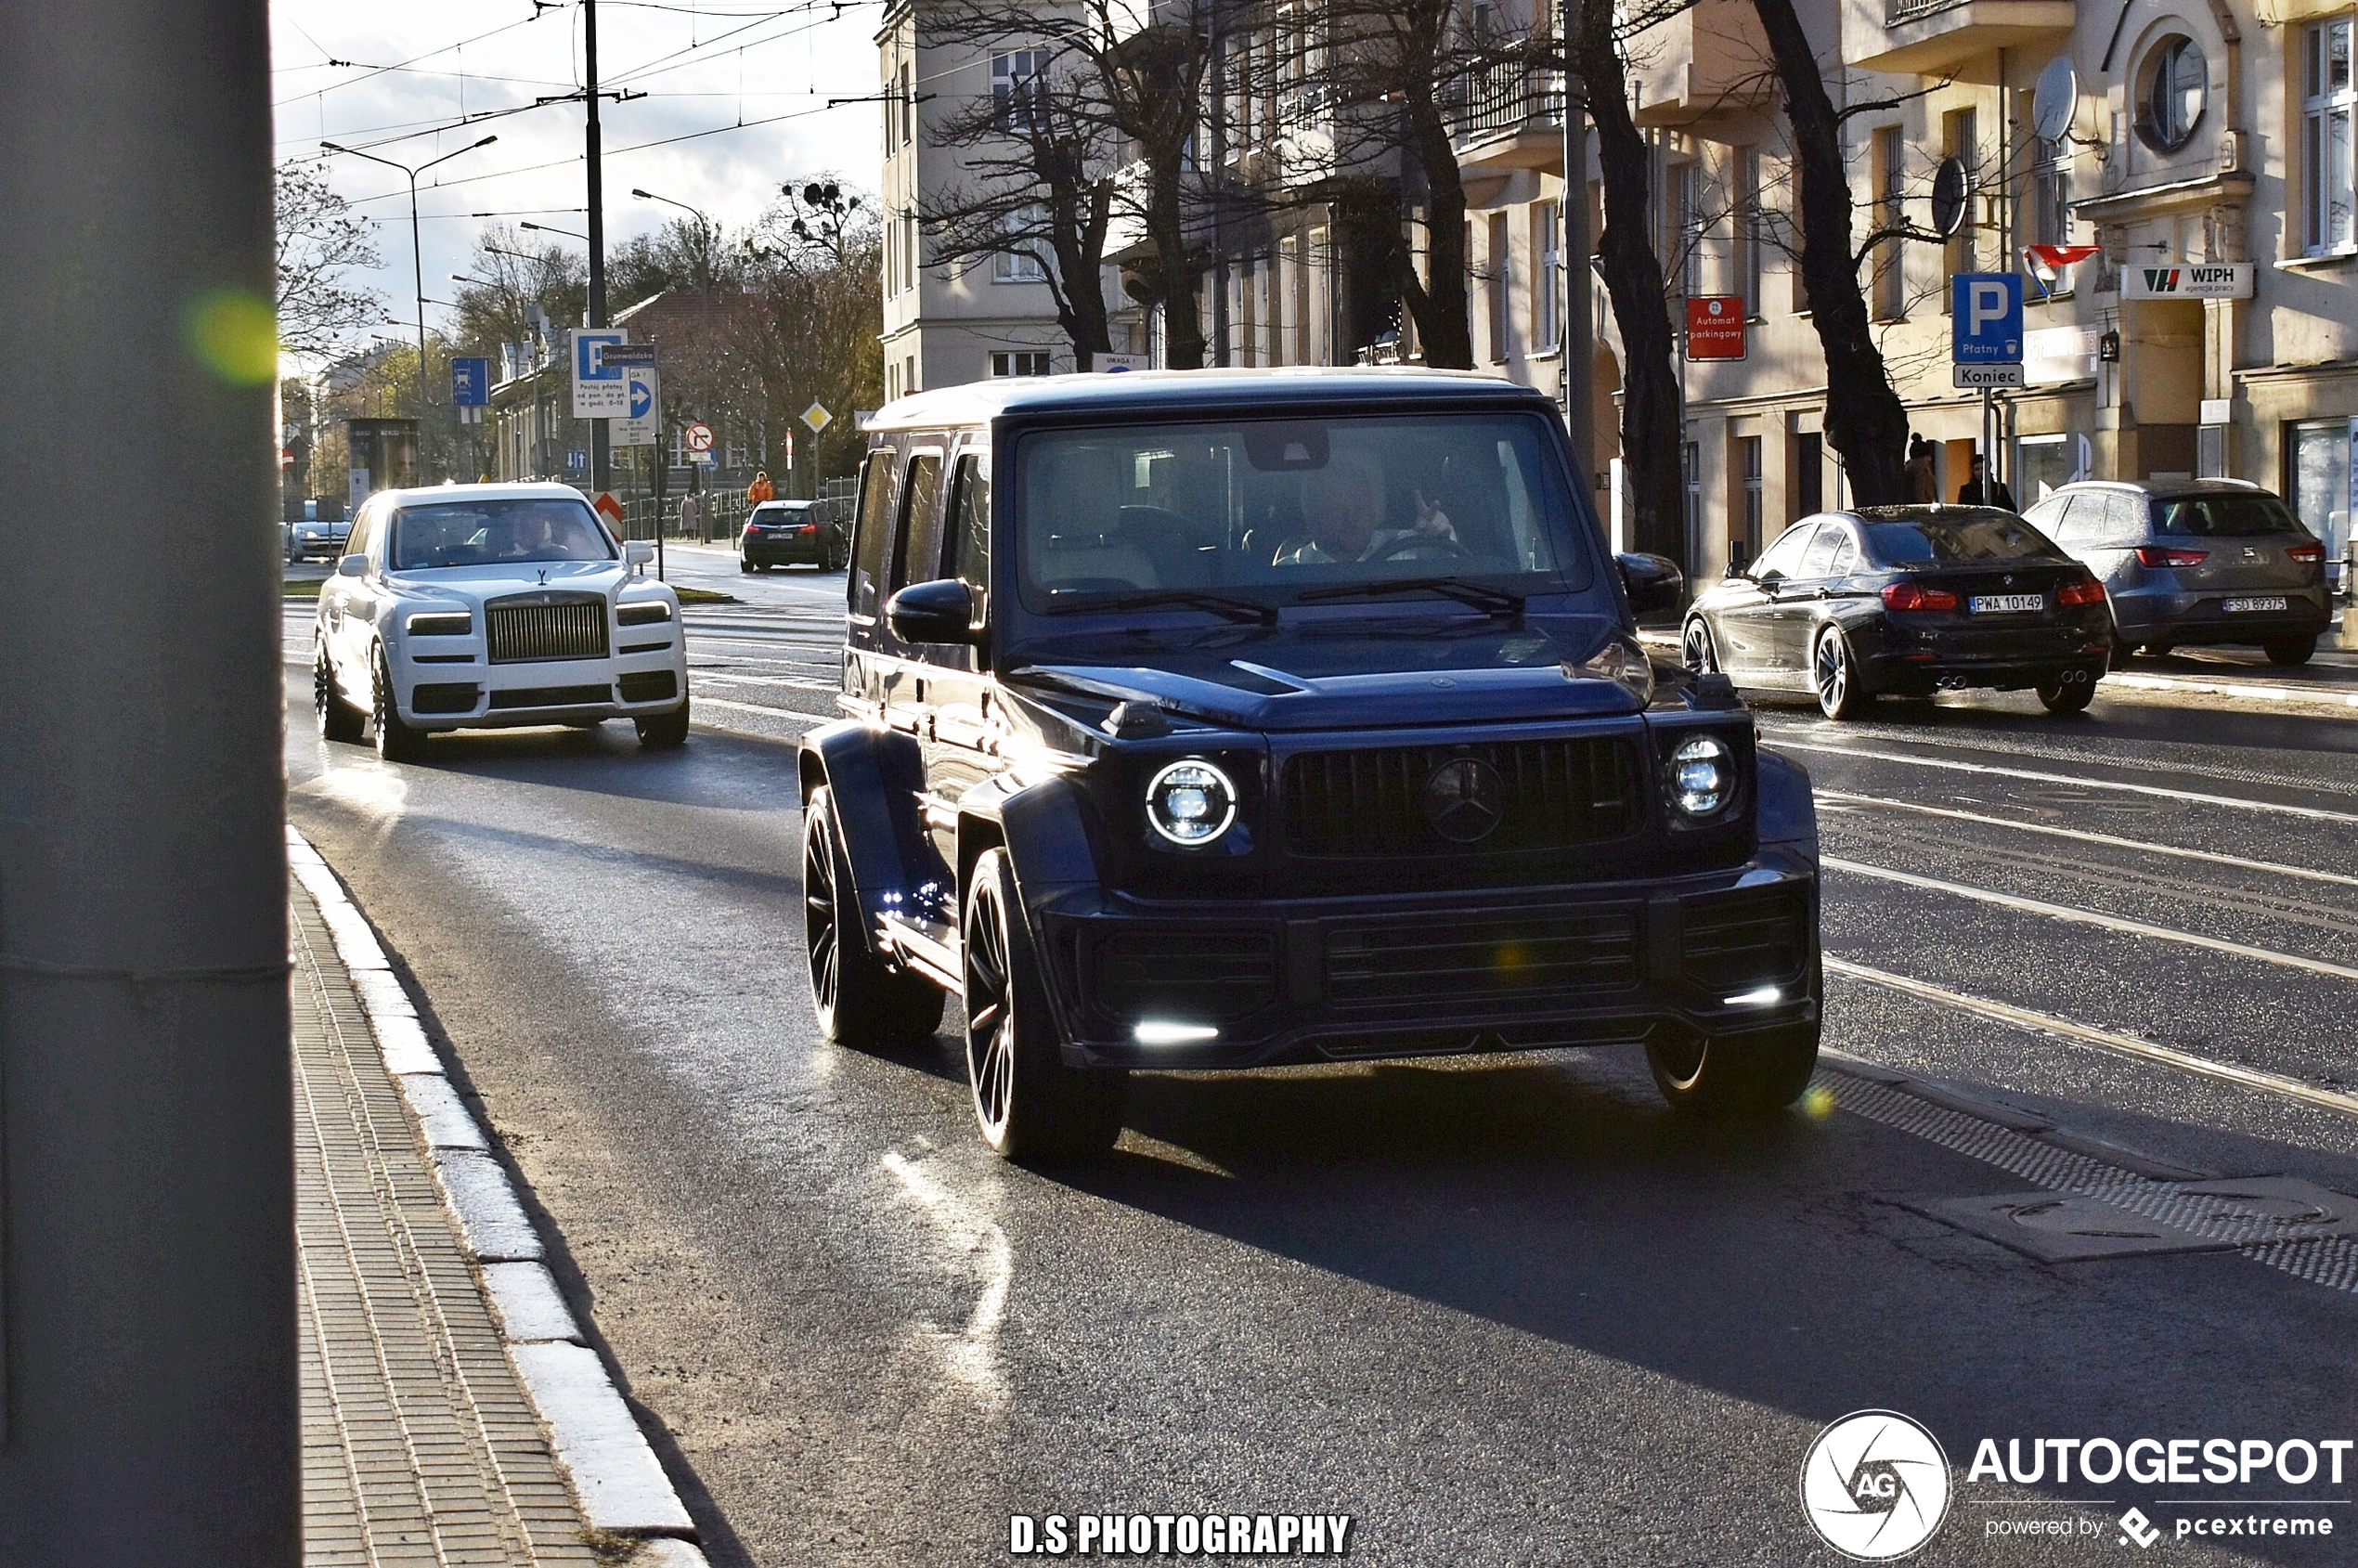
<point>817,417</point>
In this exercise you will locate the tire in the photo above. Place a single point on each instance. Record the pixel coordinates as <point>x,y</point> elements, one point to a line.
<point>1029,1104</point>
<point>859,1001</point>
<point>2060,697</point>
<point>339,721</point>
<point>396,741</point>
<point>1697,650</point>
<point>1746,1076</point>
<point>2290,650</point>
<point>1833,677</point>
<point>745,567</point>
<point>664,731</point>
<point>2158,649</point>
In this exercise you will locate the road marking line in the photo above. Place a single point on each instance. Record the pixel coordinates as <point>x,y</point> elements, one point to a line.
<point>808,719</point>
<point>2103,1038</point>
<point>2228,689</point>
<point>2079,837</point>
<point>2316,813</point>
<point>707,676</point>
<point>2091,918</point>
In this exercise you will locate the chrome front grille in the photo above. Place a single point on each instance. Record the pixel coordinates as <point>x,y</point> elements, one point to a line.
<point>546,628</point>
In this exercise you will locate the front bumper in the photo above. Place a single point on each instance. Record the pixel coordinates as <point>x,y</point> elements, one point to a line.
<point>446,695</point>
<point>1721,953</point>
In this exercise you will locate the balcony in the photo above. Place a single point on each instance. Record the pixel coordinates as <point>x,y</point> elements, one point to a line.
<point>1508,116</point>
<point>1708,62</point>
<point>1934,37</point>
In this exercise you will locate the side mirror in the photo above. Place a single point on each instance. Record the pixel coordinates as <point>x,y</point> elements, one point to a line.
<point>1735,569</point>
<point>1654,583</point>
<point>352,566</point>
<point>638,552</point>
<point>941,611</point>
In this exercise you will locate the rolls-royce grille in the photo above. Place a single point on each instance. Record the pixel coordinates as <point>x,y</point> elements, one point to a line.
<point>536,632</point>
<point>1417,800</point>
<point>1420,961</point>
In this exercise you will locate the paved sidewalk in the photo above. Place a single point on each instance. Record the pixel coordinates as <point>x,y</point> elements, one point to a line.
<point>418,1445</point>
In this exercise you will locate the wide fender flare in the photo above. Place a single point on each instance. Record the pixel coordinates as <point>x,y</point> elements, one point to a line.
<point>874,776</point>
<point>1041,826</point>
<point>1788,811</point>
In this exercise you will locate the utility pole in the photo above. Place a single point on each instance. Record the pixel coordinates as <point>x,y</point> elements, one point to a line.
<point>147,1269</point>
<point>600,477</point>
<point>1577,353</point>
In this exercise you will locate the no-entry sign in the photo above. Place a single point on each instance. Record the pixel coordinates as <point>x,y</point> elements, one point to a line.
<point>1715,327</point>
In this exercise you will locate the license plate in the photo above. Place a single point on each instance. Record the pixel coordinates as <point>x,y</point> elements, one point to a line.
<point>2234,605</point>
<point>2001,604</point>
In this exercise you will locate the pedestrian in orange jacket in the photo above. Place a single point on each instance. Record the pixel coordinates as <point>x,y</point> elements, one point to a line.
<point>759,490</point>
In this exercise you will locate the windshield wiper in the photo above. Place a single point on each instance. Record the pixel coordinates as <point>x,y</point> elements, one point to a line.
<point>1494,601</point>
<point>1228,606</point>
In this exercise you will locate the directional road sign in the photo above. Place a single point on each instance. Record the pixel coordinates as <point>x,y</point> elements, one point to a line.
<point>641,421</point>
<point>600,391</point>
<point>470,383</point>
<point>1985,319</point>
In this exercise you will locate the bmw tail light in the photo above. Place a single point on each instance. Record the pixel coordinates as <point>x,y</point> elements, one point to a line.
<point>1907,594</point>
<point>2158,555</point>
<point>2307,555</point>
<point>2087,591</point>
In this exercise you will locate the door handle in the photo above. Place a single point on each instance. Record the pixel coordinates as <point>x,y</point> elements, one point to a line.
<point>1825,593</point>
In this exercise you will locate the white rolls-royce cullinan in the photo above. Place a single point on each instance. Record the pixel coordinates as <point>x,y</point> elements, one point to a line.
<point>480,606</point>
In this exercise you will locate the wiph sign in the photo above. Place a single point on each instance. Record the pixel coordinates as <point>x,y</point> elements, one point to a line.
<point>2211,281</point>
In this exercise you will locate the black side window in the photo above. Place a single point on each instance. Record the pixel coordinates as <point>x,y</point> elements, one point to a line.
<point>1819,561</point>
<point>921,522</point>
<point>1784,557</point>
<point>970,524</point>
<point>357,542</point>
<point>872,544</point>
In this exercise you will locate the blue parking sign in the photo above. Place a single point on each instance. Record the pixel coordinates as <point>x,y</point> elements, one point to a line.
<point>470,383</point>
<point>1985,318</point>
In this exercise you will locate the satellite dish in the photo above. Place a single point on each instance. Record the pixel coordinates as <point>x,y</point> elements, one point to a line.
<point>2055,103</point>
<point>1951,193</point>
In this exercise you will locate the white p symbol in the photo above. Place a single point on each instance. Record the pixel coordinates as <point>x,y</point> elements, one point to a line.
<point>1984,303</point>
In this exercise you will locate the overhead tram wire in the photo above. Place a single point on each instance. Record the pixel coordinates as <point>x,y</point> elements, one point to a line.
<point>540,8</point>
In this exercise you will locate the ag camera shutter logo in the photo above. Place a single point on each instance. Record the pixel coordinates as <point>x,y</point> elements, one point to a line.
<point>1875,1486</point>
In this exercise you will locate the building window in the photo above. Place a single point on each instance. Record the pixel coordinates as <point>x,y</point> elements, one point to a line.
<point>2171,89</point>
<point>1547,243</point>
<point>909,250</point>
<point>1747,533</point>
<point>908,103</point>
<point>1808,478</point>
<point>1744,219</point>
<point>1502,281</point>
<point>2318,455</point>
<point>909,373</point>
<point>733,454</point>
<point>1018,88</point>
<point>1021,362</point>
<point>1685,218</point>
<point>2050,191</point>
<point>1695,492</point>
<point>1027,264</point>
<point>2326,105</point>
<point>1890,180</point>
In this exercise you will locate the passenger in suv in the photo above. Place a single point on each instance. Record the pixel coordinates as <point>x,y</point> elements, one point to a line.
<point>2208,560</point>
<point>1215,720</point>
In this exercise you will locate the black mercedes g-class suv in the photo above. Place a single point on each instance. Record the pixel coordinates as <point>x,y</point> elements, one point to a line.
<point>1221,720</point>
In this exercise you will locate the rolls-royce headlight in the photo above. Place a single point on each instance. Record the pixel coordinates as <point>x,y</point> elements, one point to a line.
<point>647,613</point>
<point>1191,802</point>
<point>1703,775</point>
<point>442,623</point>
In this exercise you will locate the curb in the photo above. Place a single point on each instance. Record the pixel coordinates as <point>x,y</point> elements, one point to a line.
<point>606,1459</point>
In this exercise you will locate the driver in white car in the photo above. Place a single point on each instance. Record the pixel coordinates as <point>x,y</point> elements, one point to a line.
<point>1344,504</point>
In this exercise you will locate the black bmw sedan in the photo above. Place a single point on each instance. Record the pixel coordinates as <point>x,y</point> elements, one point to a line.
<point>1847,605</point>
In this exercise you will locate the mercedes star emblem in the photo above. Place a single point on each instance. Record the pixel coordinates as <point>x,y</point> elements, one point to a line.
<point>1465,799</point>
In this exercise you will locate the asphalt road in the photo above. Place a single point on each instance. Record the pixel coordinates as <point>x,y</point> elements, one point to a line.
<point>1503,1310</point>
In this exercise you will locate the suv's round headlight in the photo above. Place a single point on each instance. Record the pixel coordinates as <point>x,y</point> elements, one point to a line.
<point>1191,802</point>
<point>1703,775</point>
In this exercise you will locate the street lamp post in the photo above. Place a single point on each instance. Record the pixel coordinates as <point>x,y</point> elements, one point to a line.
<point>705,234</point>
<point>547,228</point>
<point>417,260</point>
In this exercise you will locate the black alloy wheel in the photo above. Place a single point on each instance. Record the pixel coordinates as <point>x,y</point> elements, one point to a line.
<point>1834,676</point>
<point>339,721</point>
<point>2068,691</point>
<point>1744,1075</point>
<point>397,740</point>
<point>1697,651</point>
<point>1029,1104</point>
<point>858,999</point>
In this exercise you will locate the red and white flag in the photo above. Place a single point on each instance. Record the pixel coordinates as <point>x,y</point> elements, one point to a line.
<point>2054,258</point>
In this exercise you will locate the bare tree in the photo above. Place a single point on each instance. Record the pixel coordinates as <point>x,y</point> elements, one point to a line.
<point>509,275</point>
<point>321,242</point>
<point>1041,156</point>
<point>812,336</point>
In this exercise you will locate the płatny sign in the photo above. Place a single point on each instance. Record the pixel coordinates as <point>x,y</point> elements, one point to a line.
<point>642,422</point>
<point>600,391</point>
<point>2211,280</point>
<point>1984,327</point>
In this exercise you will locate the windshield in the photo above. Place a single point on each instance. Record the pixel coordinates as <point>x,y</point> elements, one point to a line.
<point>489,532</point>
<point>1267,511</point>
<point>1958,535</point>
<point>2224,517</point>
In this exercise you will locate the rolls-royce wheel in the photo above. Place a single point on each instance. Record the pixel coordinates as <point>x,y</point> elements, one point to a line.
<point>1834,675</point>
<point>397,740</point>
<point>859,1000</point>
<point>2068,691</point>
<point>1742,1075</point>
<point>1029,1104</point>
<point>664,731</point>
<point>339,721</point>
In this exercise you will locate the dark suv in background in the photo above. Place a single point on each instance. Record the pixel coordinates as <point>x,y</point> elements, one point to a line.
<point>2195,560</point>
<point>1216,719</point>
<point>791,533</point>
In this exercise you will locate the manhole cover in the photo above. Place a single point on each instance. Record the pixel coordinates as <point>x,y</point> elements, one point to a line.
<point>2163,1217</point>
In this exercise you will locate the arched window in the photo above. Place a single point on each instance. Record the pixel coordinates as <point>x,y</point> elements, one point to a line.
<point>2173,87</point>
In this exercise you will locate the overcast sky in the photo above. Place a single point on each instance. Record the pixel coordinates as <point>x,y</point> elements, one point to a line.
<point>414,69</point>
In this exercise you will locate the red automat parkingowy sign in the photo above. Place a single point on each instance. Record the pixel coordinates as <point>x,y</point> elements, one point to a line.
<point>1716,327</point>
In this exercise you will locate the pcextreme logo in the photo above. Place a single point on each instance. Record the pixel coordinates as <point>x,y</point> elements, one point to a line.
<point>1875,1486</point>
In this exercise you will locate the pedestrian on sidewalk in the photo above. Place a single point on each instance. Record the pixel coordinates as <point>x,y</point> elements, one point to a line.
<point>1923,483</point>
<point>760,490</point>
<point>1981,490</point>
<point>688,516</point>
